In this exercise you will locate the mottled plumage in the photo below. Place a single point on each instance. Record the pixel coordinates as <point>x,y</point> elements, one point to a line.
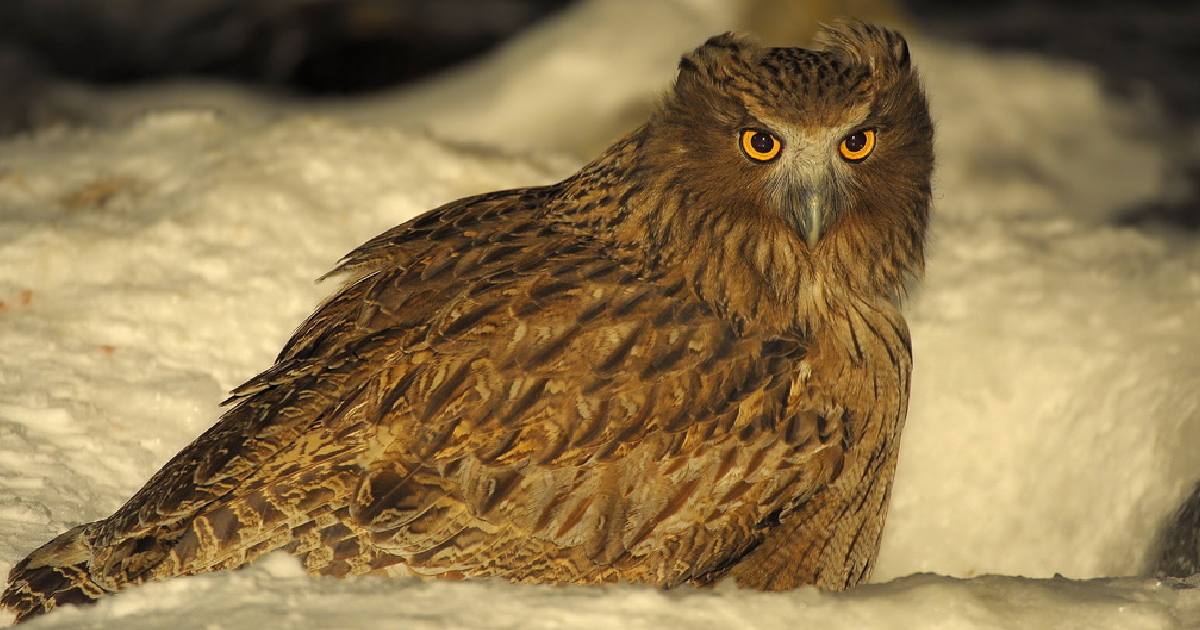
<point>680,364</point>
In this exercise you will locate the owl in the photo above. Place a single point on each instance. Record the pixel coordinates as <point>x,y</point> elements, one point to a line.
<point>685,363</point>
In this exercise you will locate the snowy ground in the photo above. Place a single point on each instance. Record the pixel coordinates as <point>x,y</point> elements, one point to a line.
<point>276,592</point>
<point>150,263</point>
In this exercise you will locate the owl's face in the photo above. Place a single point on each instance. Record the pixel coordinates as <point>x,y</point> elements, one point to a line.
<point>833,143</point>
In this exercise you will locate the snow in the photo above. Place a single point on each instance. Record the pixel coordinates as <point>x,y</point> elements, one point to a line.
<point>156,259</point>
<point>1056,392</point>
<point>275,591</point>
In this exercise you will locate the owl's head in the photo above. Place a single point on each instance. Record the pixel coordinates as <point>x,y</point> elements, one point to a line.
<point>832,145</point>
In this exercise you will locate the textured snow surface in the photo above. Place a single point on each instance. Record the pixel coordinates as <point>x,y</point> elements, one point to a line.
<point>148,267</point>
<point>276,592</point>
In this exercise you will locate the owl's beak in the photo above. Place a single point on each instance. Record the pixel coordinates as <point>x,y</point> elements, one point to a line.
<point>806,186</point>
<point>812,217</point>
<point>809,211</point>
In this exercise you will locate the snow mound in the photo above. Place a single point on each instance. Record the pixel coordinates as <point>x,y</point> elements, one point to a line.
<point>1056,388</point>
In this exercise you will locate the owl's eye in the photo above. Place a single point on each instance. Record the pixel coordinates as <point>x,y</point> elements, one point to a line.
<point>759,145</point>
<point>858,145</point>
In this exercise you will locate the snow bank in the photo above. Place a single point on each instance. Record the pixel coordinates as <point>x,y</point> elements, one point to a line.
<point>1055,414</point>
<point>148,267</point>
<point>276,594</point>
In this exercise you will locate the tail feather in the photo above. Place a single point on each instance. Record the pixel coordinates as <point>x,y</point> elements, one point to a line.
<point>55,574</point>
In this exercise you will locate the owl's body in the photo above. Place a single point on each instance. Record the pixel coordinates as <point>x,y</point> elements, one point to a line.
<point>685,362</point>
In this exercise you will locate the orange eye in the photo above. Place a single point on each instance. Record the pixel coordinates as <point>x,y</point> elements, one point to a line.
<point>759,145</point>
<point>858,145</point>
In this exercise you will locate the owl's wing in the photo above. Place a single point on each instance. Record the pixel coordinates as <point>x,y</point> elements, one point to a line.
<point>556,409</point>
<point>614,420</point>
<point>314,379</point>
<point>508,392</point>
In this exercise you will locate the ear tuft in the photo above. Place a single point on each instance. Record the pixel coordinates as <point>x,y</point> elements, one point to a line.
<point>881,49</point>
<point>709,63</point>
<point>718,48</point>
<point>727,40</point>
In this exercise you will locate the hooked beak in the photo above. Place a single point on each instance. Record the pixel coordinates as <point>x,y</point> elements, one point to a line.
<point>810,212</point>
<point>804,184</point>
<point>814,216</point>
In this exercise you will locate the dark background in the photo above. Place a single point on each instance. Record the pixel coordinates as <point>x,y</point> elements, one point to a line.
<point>311,46</point>
<point>321,47</point>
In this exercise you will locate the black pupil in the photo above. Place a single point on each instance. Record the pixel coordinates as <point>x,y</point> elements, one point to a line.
<point>762,142</point>
<point>856,141</point>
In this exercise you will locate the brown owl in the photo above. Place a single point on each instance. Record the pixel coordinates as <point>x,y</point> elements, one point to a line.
<point>686,362</point>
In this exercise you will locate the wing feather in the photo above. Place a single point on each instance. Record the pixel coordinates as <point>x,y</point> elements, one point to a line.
<point>501,400</point>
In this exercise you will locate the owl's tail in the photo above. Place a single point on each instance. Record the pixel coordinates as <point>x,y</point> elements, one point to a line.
<point>55,574</point>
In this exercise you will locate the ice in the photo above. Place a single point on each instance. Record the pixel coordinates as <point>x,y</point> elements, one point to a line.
<point>149,265</point>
